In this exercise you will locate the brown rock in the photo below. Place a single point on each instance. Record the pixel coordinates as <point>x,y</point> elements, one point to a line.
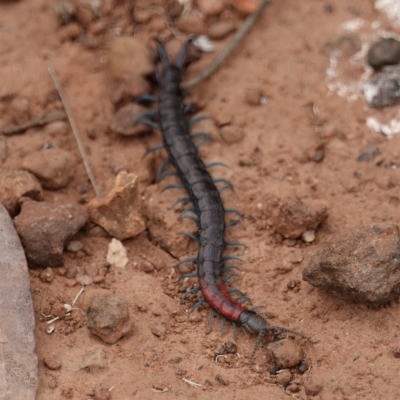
<point>70,32</point>
<point>210,8</point>
<point>283,378</point>
<point>246,7</point>
<point>44,228</point>
<point>128,55</point>
<point>53,167</point>
<point>108,318</point>
<point>193,23</point>
<point>232,134</point>
<point>52,362</point>
<point>362,265</point>
<point>94,360</point>
<point>120,211</point>
<point>17,184</point>
<point>3,148</point>
<point>311,387</point>
<point>295,217</point>
<point>384,52</point>
<point>47,275</point>
<point>128,87</point>
<point>285,353</point>
<point>19,110</point>
<point>124,120</point>
<point>221,30</point>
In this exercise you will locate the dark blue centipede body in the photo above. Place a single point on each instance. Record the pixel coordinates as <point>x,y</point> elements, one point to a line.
<point>183,155</point>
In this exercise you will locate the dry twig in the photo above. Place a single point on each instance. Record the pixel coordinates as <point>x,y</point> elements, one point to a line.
<point>226,52</point>
<point>64,101</point>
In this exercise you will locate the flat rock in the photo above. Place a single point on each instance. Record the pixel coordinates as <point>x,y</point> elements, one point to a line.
<point>128,55</point>
<point>44,229</point>
<point>17,184</point>
<point>119,212</point>
<point>294,217</point>
<point>210,8</point>
<point>128,87</point>
<point>221,29</point>
<point>124,120</point>
<point>18,371</point>
<point>361,265</point>
<point>108,318</point>
<point>53,167</point>
<point>384,52</point>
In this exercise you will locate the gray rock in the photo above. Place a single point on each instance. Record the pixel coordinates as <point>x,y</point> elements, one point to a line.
<point>17,322</point>
<point>108,318</point>
<point>17,184</point>
<point>384,52</point>
<point>362,265</point>
<point>44,229</point>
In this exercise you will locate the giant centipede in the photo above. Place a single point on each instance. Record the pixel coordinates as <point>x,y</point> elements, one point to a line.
<point>207,202</point>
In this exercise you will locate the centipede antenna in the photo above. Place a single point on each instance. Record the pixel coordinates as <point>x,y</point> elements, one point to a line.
<point>163,54</point>
<point>180,59</point>
<point>278,329</point>
<point>259,339</point>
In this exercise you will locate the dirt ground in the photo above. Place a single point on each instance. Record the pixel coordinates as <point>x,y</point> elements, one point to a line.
<point>313,103</point>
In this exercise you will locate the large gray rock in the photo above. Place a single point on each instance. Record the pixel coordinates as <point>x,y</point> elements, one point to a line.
<point>18,364</point>
<point>362,265</point>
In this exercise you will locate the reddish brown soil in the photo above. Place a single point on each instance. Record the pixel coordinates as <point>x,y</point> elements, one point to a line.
<point>285,57</point>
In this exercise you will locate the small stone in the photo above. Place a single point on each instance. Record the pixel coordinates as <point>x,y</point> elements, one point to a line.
<point>253,97</point>
<point>193,23</point>
<point>146,267</point>
<point>84,280</point>
<point>232,134</point>
<point>67,392</point>
<point>128,55</point>
<point>361,265</point>
<point>220,30</point>
<point>142,15</point>
<point>311,387</point>
<point>56,129</point>
<point>65,10</point>
<point>74,246</point>
<point>246,7</point>
<point>318,156</point>
<point>117,255</point>
<point>369,152</point>
<point>283,378</point>
<point>108,318</point>
<point>53,167</point>
<point>292,218</point>
<point>93,361</point>
<point>159,330</point>
<point>71,272</point>
<point>308,236</point>
<point>125,121</point>
<point>303,367</point>
<point>119,212</point>
<point>383,89</point>
<point>345,45</point>
<point>210,8</point>
<point>293,387</point>
<point>17,184</point>
<point>384,52</point>
<point>19,110</point>
<point>222,380</point>
<point>44,228</point>
<point>128,87</point>
<point>51,362</point>
<point>47,275</point>
<point>286,353</point>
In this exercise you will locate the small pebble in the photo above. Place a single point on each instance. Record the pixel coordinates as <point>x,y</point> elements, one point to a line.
<point>303,367</point>
<point>47,275</point>
<point>19,110</point>
<point>158,330</point>
<point>318,156</point>
<point>384,52</point>
<point>293,387</point>
<point>193,23</point>
<point>246,7</point>
<point>396,352</point>
<point>146,267</point>
<point>52,362</point>
<point>232,134</point>
<point>102,394</point>
<point>253,97</point>
<point>210,8</point>
<point>74,246</point>
<point>84,280</point>
<point>57,129</point>
<point>286,353</point>
<point>283,378</point>
<point>124,120</point>
<point>65,10</point>
<point>222,380</point>
<point>220,30</point>
<point>308,236</point>
<point>117,254</point>
<point>311,387</point>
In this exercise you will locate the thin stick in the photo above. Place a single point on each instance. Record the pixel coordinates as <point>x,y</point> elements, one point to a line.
<point>35,121</point>
<point>226,52</point>
<point>64,101</point>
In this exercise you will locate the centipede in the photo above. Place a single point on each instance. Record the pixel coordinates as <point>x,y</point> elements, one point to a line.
<point>207,205</point>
